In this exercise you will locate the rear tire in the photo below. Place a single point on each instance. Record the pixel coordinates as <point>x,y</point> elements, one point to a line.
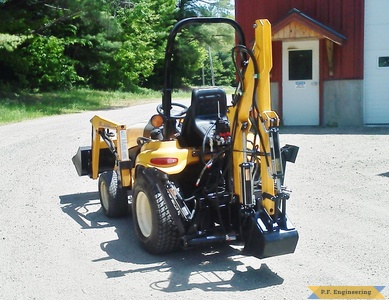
<point>113,198</point>
<point>154,225</point>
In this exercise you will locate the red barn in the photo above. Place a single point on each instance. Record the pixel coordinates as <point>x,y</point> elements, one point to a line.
<point>330,59</point>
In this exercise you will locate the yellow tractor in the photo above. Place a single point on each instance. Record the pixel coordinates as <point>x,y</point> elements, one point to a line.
<point>209,173</point>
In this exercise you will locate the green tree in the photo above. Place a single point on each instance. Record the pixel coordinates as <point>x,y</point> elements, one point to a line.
<point>221,70</point>
<point>45,66</point>
<point>39,62</point>
<point>104,44</point>
<point>204,8</point>
<point>109,44</point>
<point>144,31</point>
<point>218,37</point>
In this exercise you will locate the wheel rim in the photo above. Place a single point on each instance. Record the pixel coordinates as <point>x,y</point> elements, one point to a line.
<point>104,194</point>
<point>143,214</point>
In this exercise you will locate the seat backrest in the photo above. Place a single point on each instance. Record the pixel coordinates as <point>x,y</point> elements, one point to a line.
<point>207,104</point>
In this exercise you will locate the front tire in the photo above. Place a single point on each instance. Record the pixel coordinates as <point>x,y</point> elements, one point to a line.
<point>113,198</point>
<point>154,225</point>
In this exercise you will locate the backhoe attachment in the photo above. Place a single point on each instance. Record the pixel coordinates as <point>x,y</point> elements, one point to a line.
<point>267,231</point>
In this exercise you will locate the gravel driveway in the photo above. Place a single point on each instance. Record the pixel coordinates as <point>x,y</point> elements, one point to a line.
<point>55,242</point>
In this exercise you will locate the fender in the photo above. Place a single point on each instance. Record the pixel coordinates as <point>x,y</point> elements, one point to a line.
<point>166,156</point>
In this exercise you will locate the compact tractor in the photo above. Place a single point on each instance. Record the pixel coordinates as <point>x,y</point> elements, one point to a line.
<point>209,173</point>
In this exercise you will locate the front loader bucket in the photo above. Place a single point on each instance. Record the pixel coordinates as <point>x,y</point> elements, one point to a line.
<point>83,159</point>
<point>262,242</point>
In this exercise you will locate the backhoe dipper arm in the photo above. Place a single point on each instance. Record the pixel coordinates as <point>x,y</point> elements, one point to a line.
<point>256,94</point>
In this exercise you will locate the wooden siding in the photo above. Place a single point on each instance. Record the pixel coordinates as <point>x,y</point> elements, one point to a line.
<point>345,16</point>
<point>294,30</point>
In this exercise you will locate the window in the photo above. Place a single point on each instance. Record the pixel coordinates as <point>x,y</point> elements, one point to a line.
<point>300,65</point>
<point>383,62</point>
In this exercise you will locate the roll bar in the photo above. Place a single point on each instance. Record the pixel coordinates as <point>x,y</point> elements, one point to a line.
<point>167,87</point>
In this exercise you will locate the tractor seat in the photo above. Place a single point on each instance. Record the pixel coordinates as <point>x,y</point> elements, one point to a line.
<point>206,105</point>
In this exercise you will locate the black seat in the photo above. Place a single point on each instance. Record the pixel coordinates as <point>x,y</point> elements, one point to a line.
<point>207,104</point>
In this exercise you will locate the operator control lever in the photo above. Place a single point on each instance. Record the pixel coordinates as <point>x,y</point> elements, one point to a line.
<point>222,132</point>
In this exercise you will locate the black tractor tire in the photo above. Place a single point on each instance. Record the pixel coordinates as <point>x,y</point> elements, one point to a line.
<point>113,198</point>
<point>153,222</point>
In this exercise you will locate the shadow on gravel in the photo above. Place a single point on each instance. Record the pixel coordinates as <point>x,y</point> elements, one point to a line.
<point>81,208</point>
<point>217,268</point>
<point>386,174</point>
<point>316,130</point>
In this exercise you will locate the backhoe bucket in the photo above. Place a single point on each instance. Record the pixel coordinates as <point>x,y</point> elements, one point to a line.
<point>262,242</point>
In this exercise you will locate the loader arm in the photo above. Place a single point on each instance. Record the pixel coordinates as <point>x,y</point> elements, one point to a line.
<point>256,93</point>
<point>117,146</point>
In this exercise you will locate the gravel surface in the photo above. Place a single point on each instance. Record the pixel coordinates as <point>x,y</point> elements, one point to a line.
<point>55,242</point>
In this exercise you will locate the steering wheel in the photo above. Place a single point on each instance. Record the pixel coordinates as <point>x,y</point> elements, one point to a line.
<point>177,115</point>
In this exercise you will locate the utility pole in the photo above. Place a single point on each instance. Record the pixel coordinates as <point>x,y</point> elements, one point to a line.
<point>211,65</point>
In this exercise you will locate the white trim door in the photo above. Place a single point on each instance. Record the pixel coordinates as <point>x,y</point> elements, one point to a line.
<point>300,83</point>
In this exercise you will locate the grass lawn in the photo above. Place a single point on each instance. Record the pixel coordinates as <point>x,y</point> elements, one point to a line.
<point>17,107</point>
